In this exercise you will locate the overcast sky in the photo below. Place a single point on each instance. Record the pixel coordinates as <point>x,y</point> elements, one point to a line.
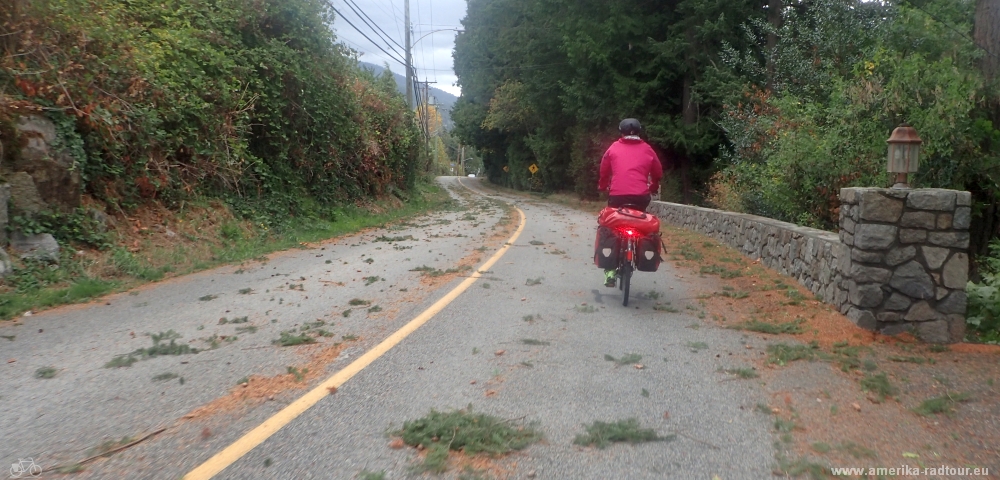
<point>431,54</point>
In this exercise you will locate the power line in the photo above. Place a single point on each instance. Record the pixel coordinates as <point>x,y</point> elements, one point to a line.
<point>361,13</point>
<point>401,62</point>
<point>433,62</point>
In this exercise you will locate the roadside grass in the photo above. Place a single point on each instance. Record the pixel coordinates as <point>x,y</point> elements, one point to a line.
<point>910,359</point>
<point>159,348</point>
<point>856,450</point>
<point>435,272</point>
<point>782,353</point>
<point>466,432</point>
<point>532,341</point>
<point>720,271</point>
<point>879,385</point>
<point>626,359</point>
<point>742,372</point>
<point>601,434</point>
<point>666,307</point>
<point>289,338</point>
<point>207,235</point>
<point>299,375</point>
<point>794,327</point>
<point>941,404</point>
<point>165,376</point>
<point>697,346</point>
<point>368,475</point>
<point>14,303</point>
<point>802,466</point>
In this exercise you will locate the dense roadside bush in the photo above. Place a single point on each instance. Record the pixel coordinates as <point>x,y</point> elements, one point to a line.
<point>983,315</point>
<point>844,74</point>
<point>169,99</point>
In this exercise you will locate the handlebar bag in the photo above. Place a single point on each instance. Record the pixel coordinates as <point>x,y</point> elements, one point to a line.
<point>617,218</point>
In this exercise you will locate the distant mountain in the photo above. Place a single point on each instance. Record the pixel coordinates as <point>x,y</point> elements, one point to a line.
<point>441,98</point>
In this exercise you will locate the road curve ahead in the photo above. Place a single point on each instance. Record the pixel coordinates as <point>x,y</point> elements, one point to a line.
<point>528,338</point>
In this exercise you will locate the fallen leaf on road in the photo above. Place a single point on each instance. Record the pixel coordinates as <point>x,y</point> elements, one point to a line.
<point>12,360</point>
<point>205,433</point>
<point>500,352</point>
<point>491,393</point>
<point>472,382</point>
<point>332,390</point>
<point>639,366</point>
<point>666,415</point>
<point>396,444</point>
<point>856,406</point>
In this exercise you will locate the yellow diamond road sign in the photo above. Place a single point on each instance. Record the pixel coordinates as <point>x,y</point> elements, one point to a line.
<point>533,168</point>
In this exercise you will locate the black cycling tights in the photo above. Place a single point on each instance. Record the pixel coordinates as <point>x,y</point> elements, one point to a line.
<point>639,201</point>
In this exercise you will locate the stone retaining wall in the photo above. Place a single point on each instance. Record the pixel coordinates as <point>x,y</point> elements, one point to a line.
<point>900,262</point>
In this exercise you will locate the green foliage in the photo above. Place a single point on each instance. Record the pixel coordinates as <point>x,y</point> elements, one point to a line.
<point>983,315</point>
<point>879,385</point>
<point>254,101</point>
<point>158,348</point>
<point>941,404</point>
<point>462,430</point>
<point>546,83</point>
<point>290,338</point>
<point>811,116</point>
<point>782,354</point>
<point>78,227</point>
<point>601,434</point>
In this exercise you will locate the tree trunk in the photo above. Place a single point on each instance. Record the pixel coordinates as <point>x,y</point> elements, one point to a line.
<point>774,8</point>
<point>986,34</point>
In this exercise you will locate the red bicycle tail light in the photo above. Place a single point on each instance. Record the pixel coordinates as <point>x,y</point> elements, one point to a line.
<point>629,232</point>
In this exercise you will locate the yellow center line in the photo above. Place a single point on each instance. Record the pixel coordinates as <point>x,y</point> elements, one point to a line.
<point>241,447</point>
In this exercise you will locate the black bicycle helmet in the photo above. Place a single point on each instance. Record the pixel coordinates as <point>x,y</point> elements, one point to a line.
<point>629,126</point>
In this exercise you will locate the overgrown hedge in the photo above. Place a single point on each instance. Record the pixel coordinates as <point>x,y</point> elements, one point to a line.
<point>250,100</point>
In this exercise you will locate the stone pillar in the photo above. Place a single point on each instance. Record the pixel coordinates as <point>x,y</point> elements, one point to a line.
<point>909,260</point>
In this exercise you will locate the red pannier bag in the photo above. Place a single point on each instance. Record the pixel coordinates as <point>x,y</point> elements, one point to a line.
<point>616,218</point>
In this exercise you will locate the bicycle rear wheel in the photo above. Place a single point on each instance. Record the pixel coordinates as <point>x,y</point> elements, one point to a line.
<point>626,274</point>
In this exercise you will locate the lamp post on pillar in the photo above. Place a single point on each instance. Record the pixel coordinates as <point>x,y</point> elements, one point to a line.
<point>904,154</point>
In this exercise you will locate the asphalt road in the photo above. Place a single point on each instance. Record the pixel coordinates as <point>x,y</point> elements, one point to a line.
<point>543,289</point>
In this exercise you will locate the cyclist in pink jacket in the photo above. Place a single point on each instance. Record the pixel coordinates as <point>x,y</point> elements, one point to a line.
<point>630,169</point>
<point>630,172</point>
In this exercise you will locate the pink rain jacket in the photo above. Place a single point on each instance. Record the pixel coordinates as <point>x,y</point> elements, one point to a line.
<point>630,167</point>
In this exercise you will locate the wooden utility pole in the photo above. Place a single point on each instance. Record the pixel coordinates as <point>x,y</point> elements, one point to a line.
<point>409,58</point>
<point>425,110</point>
